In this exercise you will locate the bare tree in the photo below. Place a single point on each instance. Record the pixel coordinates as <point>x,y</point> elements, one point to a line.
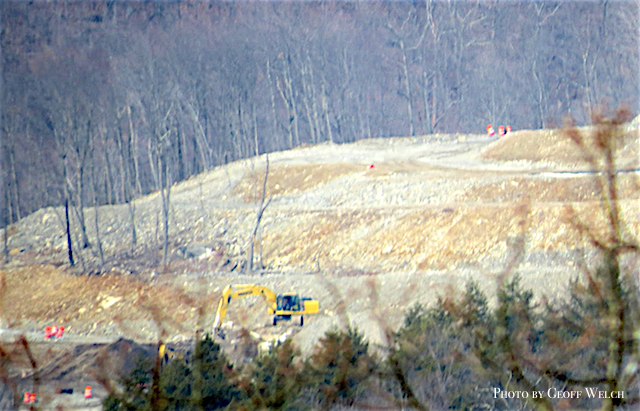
<point>126,144</point>
<point>406,29</point>
<point>262,206</point>
<point>95,189</point>
<point>5,221</point>
<point>334,72</point>
<point>68,232</point>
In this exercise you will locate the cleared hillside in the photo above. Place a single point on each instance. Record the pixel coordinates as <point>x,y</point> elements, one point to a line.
<point>553,147</point>
<point>412,217</point>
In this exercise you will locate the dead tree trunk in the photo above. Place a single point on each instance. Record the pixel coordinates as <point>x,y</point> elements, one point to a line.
<point>165,193</point>
<point>6,243</point>
<point>82,150</point>
<point>68,226</point>
<point>96,222</point>
<point>256,142</point>
<point>273,102</point>
<point>306,97</point>
<point>96,208</point>
<point>5,211</point>
<point>314,105</point>
<point>134,152</point>
<point>407,86</point>
<point>325,109</point>
<point>264,203</point>
<point>128,182</point>
<point>14,183</point>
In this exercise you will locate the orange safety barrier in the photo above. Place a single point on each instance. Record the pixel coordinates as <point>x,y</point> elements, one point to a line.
<point>490,130</point>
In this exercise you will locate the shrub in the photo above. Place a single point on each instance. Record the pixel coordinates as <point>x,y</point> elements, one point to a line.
<point>339,367</point>
<point>202,383</point>
<point>275,380</point>
<point>430,349</point>
<point>135,390</point>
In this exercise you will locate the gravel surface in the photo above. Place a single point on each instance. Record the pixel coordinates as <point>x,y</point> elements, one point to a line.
<point>369,229</point>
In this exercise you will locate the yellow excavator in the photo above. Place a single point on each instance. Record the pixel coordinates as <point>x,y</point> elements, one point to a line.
<point>281,306</point>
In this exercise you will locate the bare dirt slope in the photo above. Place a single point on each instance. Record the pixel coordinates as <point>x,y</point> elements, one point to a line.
<point>378,225</point>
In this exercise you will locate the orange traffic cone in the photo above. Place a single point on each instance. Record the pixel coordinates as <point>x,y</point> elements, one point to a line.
<point>87,392</point>
<point>32,397</point>
<point>60,331</point>
<point>27,397</point>
<point>508,130</point>
<point>47,331</point>
<point>54,330</point>
<point>501,131</point>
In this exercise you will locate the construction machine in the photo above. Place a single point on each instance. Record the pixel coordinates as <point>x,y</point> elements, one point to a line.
<point>281,306</point>
<point>168,354</point>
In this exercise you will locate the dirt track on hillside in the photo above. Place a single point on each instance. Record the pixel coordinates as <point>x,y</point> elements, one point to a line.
<point>432,213</point>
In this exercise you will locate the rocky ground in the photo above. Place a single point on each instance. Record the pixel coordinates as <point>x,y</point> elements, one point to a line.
<point>368,229</point>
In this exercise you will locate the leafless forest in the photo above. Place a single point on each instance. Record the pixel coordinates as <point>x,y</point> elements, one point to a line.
<point>105,101</point>
<point>424,251</point>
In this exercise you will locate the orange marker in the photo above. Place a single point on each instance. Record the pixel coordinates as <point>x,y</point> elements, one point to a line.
<point>490,130</point>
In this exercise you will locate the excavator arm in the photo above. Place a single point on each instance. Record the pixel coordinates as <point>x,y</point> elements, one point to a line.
<point>240,291</point>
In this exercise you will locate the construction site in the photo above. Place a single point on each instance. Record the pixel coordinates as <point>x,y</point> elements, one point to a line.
<point>367,229</point>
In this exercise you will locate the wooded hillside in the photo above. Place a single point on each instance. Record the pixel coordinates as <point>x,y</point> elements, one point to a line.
<point>105,101</point>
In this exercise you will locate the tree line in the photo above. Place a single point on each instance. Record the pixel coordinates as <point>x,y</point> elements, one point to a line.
<point>103,102</point>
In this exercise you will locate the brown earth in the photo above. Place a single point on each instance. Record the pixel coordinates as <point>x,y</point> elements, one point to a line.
<point>564,190</point>
<point>87,303</point>
<point>555,146</point>
<point>290,179</point>
<point>432,213</point>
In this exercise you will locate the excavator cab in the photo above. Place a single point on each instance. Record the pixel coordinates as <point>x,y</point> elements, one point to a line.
<point>288,302</point>
<point>286,305</point>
